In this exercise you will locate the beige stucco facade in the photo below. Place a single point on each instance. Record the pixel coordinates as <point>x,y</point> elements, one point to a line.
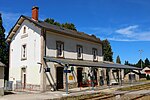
<point>70,44</point>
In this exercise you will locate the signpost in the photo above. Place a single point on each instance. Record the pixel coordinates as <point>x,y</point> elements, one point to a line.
<point>66,71</point>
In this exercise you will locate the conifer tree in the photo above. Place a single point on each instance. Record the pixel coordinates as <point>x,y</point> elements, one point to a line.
<point>3,48</point>
<point>118,60</point>
<point>107,51</point>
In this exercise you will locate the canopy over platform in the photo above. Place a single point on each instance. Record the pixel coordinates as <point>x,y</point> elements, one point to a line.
<point>85,63</point>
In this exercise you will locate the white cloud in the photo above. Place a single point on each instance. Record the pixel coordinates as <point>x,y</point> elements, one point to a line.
<point>128,30</point>
<point>119,39</point>
<point>129,33</point>
<point>134,32</point>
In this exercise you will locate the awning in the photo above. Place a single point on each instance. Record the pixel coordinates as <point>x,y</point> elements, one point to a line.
<point>85,63</point>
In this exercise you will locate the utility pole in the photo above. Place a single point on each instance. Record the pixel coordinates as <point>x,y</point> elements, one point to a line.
<point>141,56</point>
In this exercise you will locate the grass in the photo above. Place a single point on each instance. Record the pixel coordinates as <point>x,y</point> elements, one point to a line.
<point>137,87</point>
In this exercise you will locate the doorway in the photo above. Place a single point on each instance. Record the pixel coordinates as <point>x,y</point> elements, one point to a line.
<point>23,77</point>
<point>95,77</point>
<point>79,76</point>
<point>107,76</point>
<point>59,76</point>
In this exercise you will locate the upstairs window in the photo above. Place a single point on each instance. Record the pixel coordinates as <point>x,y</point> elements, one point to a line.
<point>79,52</point>
<point>24,30</point>
<point>24,52</point>
<point>95,53</point>
<point>60,48</point>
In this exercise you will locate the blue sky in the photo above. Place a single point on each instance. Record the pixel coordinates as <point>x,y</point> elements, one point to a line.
<point>125,23</point>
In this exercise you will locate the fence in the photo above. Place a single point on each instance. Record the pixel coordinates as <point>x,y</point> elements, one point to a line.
<point>9,86</point>
<point>88,83</point>
<point>23,87</point>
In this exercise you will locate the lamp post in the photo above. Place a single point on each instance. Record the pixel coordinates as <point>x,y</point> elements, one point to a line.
<point>141,56</point>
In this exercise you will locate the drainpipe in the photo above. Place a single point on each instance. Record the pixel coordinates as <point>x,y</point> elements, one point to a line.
<point>43,53</point>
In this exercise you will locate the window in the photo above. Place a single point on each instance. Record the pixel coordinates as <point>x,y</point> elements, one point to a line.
<point>24,30</point>
<point>79,52</point>
<point>60,48</point>
<point>24,52</point>
<point>94,54</point>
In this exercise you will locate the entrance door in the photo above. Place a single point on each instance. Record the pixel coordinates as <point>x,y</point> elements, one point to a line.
<point>59,77</point>
<point>107,76</point>
<point>23,77</point>
<point>95,79</point>
<point>79,76</point>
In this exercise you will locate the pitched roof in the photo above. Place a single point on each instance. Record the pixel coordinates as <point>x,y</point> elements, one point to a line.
<point>54,28</point>
<point>2,65</point>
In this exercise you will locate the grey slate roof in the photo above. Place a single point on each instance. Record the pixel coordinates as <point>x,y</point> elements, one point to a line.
<point>60,30</point>
<point>2,65</point>
<point>84,63</point>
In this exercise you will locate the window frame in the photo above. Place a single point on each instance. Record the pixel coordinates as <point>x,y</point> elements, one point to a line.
<point>95,57</point>
<point>62,47</point>
<point>77,48</point>
<point>24,52</point>
<point>24,30</point>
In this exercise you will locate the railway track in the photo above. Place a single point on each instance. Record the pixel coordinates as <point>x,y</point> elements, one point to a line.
<point>114,97</point>
<point>141,96</point>
<point>101,97</point>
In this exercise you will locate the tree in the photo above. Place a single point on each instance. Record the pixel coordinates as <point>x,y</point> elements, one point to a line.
<point>69,26</point>
<point>3,44</point>
<point>52,21</point>
<point>3,48</point>
<point>126,63</point>
<point>107,51</point>
<point>118,60</point>
<point>126,70</point>
<point>147,63</point>
<point>139,64</point>
<point>65,25</point>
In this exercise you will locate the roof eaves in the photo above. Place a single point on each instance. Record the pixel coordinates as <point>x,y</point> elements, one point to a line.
<point>96,41</point>
<point>13,28</point>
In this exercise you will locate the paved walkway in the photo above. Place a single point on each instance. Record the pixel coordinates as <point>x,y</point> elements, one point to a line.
<point>58,94</point>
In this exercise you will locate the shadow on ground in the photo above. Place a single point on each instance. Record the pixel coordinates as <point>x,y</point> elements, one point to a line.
<point>8,93</point>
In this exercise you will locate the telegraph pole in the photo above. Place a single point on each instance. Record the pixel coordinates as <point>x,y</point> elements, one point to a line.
<point>141,56</point>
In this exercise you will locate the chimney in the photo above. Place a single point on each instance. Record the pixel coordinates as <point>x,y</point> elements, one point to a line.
<point>35,10</point>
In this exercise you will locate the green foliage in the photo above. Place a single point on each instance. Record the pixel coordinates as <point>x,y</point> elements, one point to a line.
<point>139,64</point>
<point>69,26</point>
<point>118,60</point>
<point>107,51</point>
<point>52,21</point>
<point>3,44</point>
<point>65,25</point>
<point>147,63</point>
<point>3,48</point>
<point>148,77</point>
<point>127,70</point>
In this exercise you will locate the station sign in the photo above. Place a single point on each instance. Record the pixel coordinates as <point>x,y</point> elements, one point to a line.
<point>67,71</point>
